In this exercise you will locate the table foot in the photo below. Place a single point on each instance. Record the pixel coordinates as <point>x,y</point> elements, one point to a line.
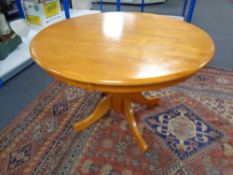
<point>102,108</point>
<point>140,99</point>
<point>119,102</point>
<point>128,111</point>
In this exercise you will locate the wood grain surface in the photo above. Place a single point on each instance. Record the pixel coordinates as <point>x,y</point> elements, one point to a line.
<point>122,52</point>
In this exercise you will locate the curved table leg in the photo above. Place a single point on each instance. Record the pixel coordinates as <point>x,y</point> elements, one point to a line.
<point>102,108</point>
<point>140,99</point>
<point>119,102</point>
<point>133,125</point>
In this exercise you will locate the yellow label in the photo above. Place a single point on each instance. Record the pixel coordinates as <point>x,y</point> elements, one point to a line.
<point>51,9</point>
<point>34,19</point>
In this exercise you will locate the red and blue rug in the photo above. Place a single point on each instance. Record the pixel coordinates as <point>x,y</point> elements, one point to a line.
<point>189,133</point>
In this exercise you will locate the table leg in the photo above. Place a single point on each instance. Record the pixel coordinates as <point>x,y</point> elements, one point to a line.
<point>128,111</point>
<point>102,108</point>
<point>119,102</point>
<point>140,99</point>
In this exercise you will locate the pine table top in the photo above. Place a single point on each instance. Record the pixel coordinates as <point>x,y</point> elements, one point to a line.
<point>121,51</point>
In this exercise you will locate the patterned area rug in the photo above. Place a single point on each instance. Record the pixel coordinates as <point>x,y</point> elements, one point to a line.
<point>189,133</point>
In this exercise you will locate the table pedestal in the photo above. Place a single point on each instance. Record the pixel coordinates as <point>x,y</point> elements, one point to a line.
<point>119,102</point>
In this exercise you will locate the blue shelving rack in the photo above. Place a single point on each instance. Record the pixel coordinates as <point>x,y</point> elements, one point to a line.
<point>187,18</point>
<point>66,5</point>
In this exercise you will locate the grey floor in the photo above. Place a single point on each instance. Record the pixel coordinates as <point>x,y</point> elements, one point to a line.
<point>214,16</point>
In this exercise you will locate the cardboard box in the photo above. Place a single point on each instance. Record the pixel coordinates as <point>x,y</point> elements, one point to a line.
<point>42,12</point>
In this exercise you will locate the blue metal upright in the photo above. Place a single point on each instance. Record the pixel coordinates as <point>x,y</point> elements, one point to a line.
<point>66,4</point>
<point>101,5</point>
<point>184,8</point>
<point>191,10</point>
<point>118,6</point>
<point>142,5</point>
<point>20,9</point>
<point>1,83</point>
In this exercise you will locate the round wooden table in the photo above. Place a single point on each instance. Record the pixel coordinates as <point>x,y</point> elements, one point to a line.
<point>122,54</point>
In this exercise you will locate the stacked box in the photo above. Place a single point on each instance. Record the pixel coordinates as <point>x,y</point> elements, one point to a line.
<point>42,13</point>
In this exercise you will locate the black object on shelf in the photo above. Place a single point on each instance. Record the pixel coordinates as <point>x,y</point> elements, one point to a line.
<point>9,8</point>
